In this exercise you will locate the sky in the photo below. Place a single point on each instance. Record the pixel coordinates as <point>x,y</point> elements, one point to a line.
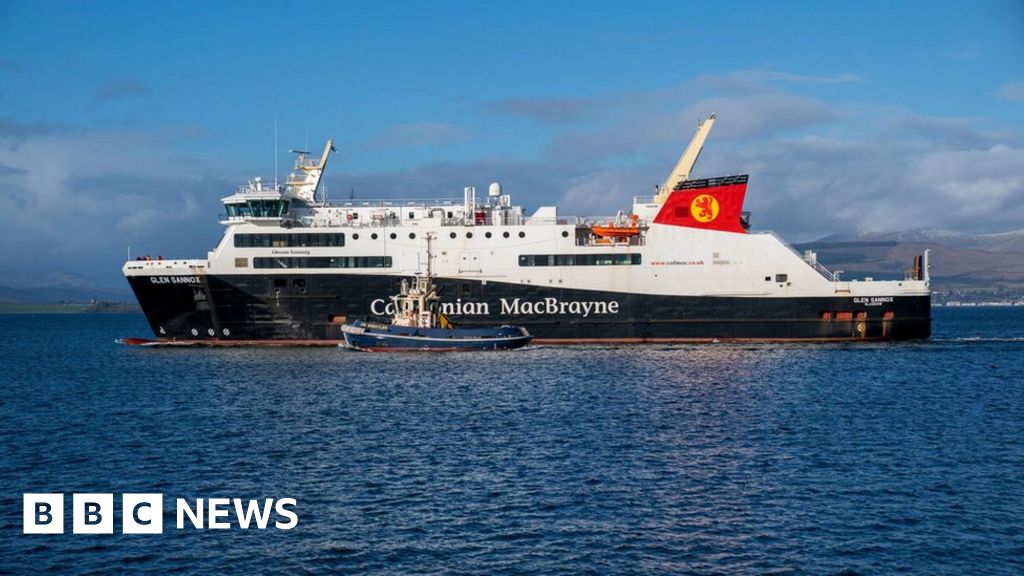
<point>123,124</point>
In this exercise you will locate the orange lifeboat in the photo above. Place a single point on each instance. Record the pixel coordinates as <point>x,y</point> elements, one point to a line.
<point>617,229</point>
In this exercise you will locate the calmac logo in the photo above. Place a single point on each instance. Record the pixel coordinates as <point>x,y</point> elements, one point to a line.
<point>143,513</point>
<point>704,208</point>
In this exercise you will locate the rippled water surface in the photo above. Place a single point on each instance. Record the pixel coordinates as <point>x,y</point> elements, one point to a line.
<point>817,459</point>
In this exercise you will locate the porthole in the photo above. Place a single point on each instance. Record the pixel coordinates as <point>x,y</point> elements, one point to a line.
<point>210,332</point>
<point>565,233</point>
<point>504,234</point>
<point>373,236</point>
<point>393,235</point>
<point>469,234</point>
<point>522,234</point>
<point>487,235</point>
<point>355,236</point>
<point>195,332</point>
<point>412,235</point>
<point>452,235</point>
<point>226,332</point>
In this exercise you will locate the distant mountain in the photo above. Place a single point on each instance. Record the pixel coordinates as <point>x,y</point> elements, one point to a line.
<point>57,286</point>
<point>1002,242</point>
<point>963,266</point>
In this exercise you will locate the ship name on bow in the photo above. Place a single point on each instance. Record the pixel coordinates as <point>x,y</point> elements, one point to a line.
<point>174,279</point>
<point>873,301</point>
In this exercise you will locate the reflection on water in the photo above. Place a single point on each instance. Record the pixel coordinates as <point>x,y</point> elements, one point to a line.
<point>708,458</point>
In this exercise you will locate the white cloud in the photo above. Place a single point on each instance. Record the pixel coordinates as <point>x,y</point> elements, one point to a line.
<point>769,75</point>
<point>76,198</point>
<point>1012,91</point>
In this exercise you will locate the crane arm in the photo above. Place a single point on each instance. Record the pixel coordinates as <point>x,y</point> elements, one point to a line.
<point>687,160</point>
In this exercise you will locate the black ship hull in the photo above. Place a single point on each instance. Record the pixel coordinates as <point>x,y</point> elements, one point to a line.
<point>311,309</point>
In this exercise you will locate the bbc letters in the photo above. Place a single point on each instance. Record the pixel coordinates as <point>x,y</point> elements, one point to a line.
<point>93,513</point>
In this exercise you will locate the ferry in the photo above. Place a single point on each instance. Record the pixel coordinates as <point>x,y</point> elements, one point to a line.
<point>683,265</point>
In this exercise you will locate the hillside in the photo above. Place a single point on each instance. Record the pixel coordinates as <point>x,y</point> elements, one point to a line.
<point>964,267</point>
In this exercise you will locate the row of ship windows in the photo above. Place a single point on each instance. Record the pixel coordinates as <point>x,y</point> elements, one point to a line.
<point>304,240</point>
<point>307,240</point>
<point>386,261</point>
<point>579,259</point>
<point>453,236</point>
<point>318,262</point>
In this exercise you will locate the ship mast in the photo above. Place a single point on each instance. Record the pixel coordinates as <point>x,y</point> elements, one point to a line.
<point>430,257</point>
<point>305,181</point>
<point>682,170</point>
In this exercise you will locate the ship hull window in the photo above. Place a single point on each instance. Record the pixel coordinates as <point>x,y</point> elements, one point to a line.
<point>323,262</point>
<point>301,240</point>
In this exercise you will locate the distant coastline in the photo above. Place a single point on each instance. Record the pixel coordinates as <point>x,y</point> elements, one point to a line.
<point>70,308</point>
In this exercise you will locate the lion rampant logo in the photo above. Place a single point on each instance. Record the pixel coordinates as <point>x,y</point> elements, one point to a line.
<point>704,208</point>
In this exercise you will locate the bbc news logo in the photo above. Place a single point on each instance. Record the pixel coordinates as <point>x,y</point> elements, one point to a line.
<point>144,513</point>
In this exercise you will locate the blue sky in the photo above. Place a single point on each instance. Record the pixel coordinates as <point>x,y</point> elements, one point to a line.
<point>123,123</point>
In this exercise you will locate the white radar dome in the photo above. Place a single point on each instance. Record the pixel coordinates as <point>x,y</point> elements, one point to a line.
<point>494,190</point>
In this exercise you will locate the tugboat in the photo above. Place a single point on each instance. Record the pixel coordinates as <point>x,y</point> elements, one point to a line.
<point>417,324</point>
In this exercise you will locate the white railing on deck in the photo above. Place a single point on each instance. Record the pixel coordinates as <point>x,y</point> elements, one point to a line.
<point>265,187</point>
<point>828,274</point>
<point>397,203</point>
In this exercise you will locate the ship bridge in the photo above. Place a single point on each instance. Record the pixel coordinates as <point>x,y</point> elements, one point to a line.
<point>255,200</point>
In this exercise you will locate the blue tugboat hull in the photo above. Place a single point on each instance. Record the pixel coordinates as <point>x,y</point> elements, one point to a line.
<point>362,336</point>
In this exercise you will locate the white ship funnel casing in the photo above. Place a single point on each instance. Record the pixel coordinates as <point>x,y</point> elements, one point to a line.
<point>544,215</point>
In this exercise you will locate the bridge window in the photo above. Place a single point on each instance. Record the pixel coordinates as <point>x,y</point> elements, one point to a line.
<point>258,209</point>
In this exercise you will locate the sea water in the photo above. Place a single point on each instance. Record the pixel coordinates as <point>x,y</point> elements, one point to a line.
<point>871,458</point>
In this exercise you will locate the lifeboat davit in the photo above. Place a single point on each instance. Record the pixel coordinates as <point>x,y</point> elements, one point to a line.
<point>617,229</point>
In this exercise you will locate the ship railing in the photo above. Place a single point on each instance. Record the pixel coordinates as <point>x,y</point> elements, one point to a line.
<point>544,220</point>
<point>605,220</point>
<point>223,218</point>
<point>397,203</point>
<point>264,186</point>
<point>828,274</point>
